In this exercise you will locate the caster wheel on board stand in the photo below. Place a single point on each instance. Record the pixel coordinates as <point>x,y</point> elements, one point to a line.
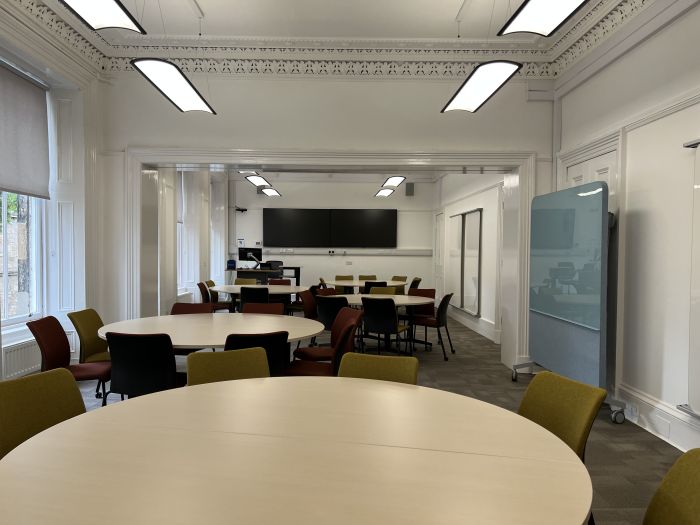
<point>617,416</point>
<point>514,376</point>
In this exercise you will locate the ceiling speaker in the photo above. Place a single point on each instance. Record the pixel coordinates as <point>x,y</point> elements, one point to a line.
<point>410,189</point>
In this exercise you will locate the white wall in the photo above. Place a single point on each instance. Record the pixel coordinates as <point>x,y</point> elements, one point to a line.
<point>650,95</point>
<point>414,224</point>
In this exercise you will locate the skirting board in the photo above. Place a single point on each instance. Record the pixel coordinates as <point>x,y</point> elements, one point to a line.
<point>661,419</point>
<point>477,324</point>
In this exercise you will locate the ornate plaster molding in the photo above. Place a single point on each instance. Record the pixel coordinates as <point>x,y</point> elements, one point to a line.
<point>336,57</point>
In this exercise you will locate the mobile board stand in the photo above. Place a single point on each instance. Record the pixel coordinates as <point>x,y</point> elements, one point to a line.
<point>572,308</point>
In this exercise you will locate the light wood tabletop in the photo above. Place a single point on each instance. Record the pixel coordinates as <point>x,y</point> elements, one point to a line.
<point>399,300</point>
<point>355,283</point>
<point>211,330</point>
<point>297,451</point>
<point>275,289</point>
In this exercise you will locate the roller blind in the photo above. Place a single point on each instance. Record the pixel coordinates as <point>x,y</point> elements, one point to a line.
<point>24,136</point>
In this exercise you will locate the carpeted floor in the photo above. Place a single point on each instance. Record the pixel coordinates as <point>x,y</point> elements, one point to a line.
<point>626,463</point>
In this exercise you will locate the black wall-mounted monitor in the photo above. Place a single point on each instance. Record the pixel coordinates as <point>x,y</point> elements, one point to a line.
<point>363,228</point>
<point>296,228</point>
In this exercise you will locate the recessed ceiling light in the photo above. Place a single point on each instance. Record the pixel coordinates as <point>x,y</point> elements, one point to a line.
<point>271,192</point>
<point>481,85</point>
<point>542,17</point>
<point>384,192</point>
<point>169,79</point>
<point>393,182</point>
<point>247,172</point>
<point>257,180</point>
<point>100,14</point>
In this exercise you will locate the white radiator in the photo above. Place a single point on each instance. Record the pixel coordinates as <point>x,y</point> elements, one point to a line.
<point>21,359</point>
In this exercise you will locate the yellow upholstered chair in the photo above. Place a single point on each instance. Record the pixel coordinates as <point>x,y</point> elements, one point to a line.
<point>384,368</point>
<point>344,289</point>
<point>92,348</point>
<point>240,280</point>
<point>400,290</point>
<point>34,403</point>
<point>563,406</point>
<point>210,367</point>
<point>676,500</point>
<point>367,278</point>
<point>383,290</point>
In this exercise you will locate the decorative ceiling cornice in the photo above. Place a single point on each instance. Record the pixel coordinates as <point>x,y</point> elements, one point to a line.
<point>344,58</point>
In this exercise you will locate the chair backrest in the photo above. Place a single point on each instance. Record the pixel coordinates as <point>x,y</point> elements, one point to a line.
<point>326,292</point>
<point>328,307</point>
<point>563,406</point>
<point>371,284</point>
<point>244,281</point>
<point>192,308</point>
<point>211,367</point>
<point>263,308</point>
<point>322,283</point>
<point>423,309</point>
<point>367,277</point>
<point>87,322</point>
<point>280,282</point>
<point>253,295</point>
<point>204,292</point>
<point>275,345</point>
<point>34,403</point>
<point>344,289</point>
<point>676,500</point>
<point>415,282</point>
<point>275,265</point>
<point>345,316</point>
<point>441,314</point>
<point>308,303</point>
<point>383,290</point>
<point>141,364</point>
<point>402,278</point>
<point>380,315</point>
<point>349,321</point>
<point>213,296</point>
<point>52,341</point>
<point>384,368</point>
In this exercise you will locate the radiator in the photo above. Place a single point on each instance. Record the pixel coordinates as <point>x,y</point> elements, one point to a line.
<point>21,359</point>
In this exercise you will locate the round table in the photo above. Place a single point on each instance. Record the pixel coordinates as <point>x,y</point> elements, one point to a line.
<point>355,283</point>
<point>296,450</point>
<point>399,300</point>
<point>211,330</point>
<point>275,289</point>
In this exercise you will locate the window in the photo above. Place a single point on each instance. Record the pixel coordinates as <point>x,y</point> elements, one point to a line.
<point>20,259</point>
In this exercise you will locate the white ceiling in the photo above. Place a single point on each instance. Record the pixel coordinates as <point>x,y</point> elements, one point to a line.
<point>309,19</point>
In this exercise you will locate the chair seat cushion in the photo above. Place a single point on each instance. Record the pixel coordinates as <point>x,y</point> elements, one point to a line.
<point>315,353</point>
<point>101,370</point>
<point>426,321</point>
<point>309,368</point>
<point>98,357</point>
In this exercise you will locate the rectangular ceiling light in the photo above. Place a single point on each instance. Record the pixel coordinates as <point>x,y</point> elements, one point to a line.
<point>384,192</point>
<point>257,180</point>
<point>247,172</point>
<point>542,17</point>
<point>481,85</point>
<point>100,14</point>
<point>271,192</point>
<point>393,182</point>
<point>169,79</point>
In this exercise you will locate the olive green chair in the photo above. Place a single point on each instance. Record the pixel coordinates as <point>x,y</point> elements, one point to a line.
<point>400,290</point>
<point>241,280</point>
<point>344,289</point>
<point>563,406</point>
<point>383,290</point>
<point>676,500</point>
<point>367,278</point>
<point>92,348</point>
<point>34,403</point>
<point>210,367</point>
<point>384,368</point>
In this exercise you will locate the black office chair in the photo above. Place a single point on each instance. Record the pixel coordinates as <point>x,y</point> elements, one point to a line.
<point>328,307</point>
<point>253,295</point>
<point>275,345</point>
<point>142,364</point>
<point>372,284</point>
<point>381,319</point>
<point>414,283</point>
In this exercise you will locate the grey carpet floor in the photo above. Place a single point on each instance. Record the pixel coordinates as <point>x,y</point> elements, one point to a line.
<point>626,463</point>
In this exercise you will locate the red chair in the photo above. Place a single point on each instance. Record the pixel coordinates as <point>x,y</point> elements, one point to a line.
<point>263,308</point>
<point>192,308</point>
<point>279,282</point>
<point>326,291</point>
<point>439,320</point>
<point>206,298</point>
<point>55,353</point>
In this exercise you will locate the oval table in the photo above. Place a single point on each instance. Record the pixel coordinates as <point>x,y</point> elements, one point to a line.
<point>274,289</point>
<point>356,283</point>
<point>399,300</point>
<point>305,451</point>
<point>211,330</point>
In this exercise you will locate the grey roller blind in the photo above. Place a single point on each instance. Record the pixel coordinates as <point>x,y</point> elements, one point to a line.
<point>24,136</point>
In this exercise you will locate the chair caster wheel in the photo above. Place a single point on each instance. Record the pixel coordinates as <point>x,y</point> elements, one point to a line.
<point>98,395</point>
<point>514,376</point>
<point>446,358</point>
<point>617,416</point>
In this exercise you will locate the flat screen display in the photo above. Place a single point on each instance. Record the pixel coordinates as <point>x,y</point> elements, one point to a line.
<point>296,228</point>
<point>363,228</point>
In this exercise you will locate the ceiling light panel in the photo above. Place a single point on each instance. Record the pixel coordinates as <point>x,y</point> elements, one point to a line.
<point>482,84</point>
<point>542,17</point>
<point>271,192</point>
<point>100,14</point>
<point>172,83</point>
<point>393,182</point>
<point>257,180</point>
<point>384,192</point>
